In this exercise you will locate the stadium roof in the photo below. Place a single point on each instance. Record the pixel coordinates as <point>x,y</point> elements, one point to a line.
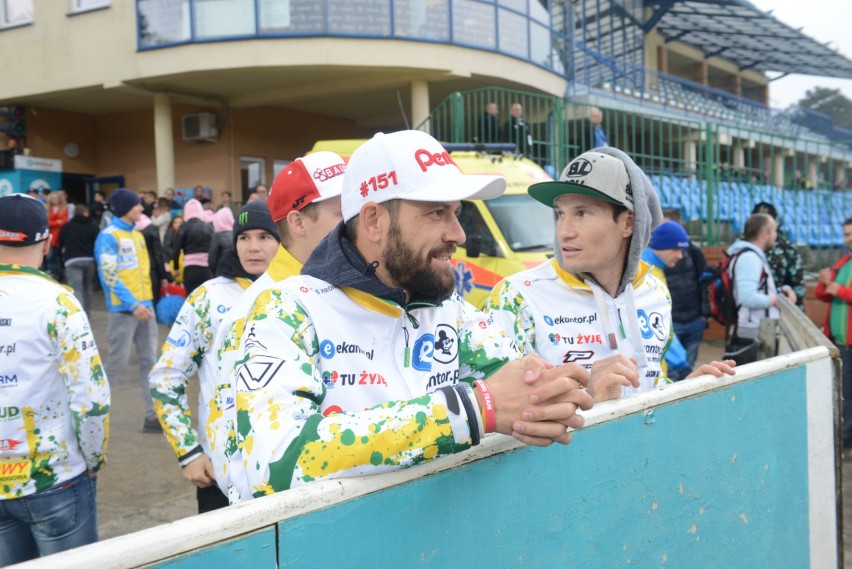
<point>738,31</point>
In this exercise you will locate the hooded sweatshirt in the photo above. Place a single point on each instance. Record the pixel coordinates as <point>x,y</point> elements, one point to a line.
<point>223,238</point>
<point>194,237</point>
<point>754,288</point>
<point>77,239</point>
<point>567,317</point>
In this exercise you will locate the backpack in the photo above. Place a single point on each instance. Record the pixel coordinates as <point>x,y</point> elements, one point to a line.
<point>717,291</point>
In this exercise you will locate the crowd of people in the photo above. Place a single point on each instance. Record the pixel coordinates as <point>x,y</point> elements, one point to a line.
<point>291,295</point>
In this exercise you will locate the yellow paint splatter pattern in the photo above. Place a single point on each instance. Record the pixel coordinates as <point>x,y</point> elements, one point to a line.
<point>183,354</point>
<point>285,437</point>
<point>56,421</point>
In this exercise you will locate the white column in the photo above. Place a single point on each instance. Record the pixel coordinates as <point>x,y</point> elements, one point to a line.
<point>813,175</point>
<point>739,156</point>
<point>164,146</point>
<point>778,168</point>
<point>419,103</point>
<point>690,156</point>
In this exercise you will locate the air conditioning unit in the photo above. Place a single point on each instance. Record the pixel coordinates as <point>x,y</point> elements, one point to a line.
<point>200,127</point>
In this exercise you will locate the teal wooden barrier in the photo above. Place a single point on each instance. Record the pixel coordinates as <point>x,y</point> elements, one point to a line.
<point>730,472</point>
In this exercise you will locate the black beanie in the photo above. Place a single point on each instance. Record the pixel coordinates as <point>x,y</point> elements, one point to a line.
<point>123,200</point>
<point>255,215</point>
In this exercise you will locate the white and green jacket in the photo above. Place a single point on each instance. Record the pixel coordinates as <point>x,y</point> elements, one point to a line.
<point>567,320</point>
<point>54,396</point>
<point>189,340</point>
<point>332,380</point>
<point>221,433</point>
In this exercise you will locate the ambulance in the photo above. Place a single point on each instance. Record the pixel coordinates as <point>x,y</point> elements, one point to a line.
<point>504,235</point>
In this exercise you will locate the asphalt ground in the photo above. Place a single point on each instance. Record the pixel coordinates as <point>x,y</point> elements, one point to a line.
<point>142,486</point>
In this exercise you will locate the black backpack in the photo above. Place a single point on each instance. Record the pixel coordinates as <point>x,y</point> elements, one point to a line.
<point>717,291</point>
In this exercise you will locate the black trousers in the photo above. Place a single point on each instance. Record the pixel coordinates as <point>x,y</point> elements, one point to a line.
<point>194,277</point>
<point>210,498</point>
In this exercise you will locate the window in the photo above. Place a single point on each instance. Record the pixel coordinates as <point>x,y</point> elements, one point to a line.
<point>252,173</point>
<point>88,5</point>
<point>15,12</point>
<point>223,18</point>
<point>278,165</point>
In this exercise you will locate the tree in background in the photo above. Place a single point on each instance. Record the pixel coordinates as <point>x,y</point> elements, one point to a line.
<point>830,102</point>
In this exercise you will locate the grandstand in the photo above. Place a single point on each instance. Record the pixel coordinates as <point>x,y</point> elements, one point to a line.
<point>684,87</point>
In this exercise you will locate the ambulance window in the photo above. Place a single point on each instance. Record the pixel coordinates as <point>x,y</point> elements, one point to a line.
<point>526,224</point>
<point>475,229</point>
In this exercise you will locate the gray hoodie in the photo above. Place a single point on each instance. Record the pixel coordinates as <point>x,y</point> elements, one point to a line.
<point>646,217</point>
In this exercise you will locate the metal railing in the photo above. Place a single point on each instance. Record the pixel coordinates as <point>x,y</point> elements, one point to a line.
<point>712,173</point>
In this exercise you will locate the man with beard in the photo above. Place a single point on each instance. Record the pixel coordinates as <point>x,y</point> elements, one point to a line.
<point>337,373</point>
<point>596,302</point>
<point>754,290</point>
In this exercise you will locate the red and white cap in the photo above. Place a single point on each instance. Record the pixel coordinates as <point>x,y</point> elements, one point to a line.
<point>310,179</point>
<point>409,165</point>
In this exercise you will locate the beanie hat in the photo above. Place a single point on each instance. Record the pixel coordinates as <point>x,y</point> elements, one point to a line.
<point>23,221</point>
<point>255,215</point>
<point>123,200</point>
<point>669,235</point>
<point>314,178</point>
<point>409,165</point>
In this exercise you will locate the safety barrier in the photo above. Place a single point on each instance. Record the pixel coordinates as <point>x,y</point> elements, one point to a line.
<point>734,472</point>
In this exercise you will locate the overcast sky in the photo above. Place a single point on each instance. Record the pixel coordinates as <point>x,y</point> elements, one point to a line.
<point>824,21</point>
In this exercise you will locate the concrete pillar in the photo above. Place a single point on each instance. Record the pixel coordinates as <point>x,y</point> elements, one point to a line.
<point>663,59</point>
<point>840,169</point>
<point>164,146</point>
<point>702,76</point>
<point>778,169</point>
<point>813,175</point>
<point>419,103</point>
<point>738,156</point>
<point>690,156</point>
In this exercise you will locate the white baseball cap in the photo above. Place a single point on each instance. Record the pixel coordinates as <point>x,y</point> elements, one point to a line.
<point>409,165</point>
<point>310,179</point>
<point>592,174</point>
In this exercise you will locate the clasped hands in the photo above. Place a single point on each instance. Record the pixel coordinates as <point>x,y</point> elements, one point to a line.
<point>536,402</point>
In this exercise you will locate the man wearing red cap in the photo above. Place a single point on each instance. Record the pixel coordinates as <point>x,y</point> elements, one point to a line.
<point>54,398</point>
<point>305,203</point>
<point>364,363</point>
<point>254,240</point>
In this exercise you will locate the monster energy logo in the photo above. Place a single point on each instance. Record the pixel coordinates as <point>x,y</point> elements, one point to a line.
<point>243,217</point>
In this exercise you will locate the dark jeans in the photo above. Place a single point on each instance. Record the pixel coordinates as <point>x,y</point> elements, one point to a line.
<point>846,375</point>
<point>47,522</point>
<point>210,498</point>
<point>690,335</point>
<point>194,277</point>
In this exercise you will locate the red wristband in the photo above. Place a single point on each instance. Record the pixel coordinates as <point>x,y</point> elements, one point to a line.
<point>488,413</point>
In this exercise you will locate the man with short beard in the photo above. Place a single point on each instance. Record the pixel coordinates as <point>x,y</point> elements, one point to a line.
<point>365,362</point>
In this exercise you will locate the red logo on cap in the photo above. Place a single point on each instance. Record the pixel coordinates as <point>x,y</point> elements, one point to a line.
<point>377,183</point>
<point>329,172</point>
<point>425,159</point>
<point>15,236</point>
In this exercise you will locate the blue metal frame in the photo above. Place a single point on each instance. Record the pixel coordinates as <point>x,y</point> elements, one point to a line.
<point>615,73</point>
